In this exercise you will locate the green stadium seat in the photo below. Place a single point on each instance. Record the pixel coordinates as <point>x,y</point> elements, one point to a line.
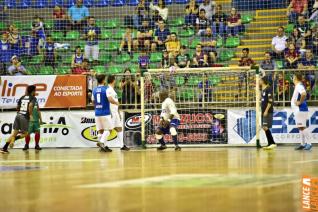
<point>25,33</point>
<point>232,42</point>
<point>154,65</point>
<point>184,42</point>
<point>26,25</point>
<point>156,82</point>
<point>194,80</point>
<point>36,60</point>
<point>100,23</point>
<point>119,34</point>
<point>246,18</point>
<point>186,94</point>
<point>102,45</point>
<point>215,80</point>
<point>72,35</point>
<point>105,58</point>
<point>80,43</point>
<point>123,58</point>
<point>219,42</point>
<point>135,57</point>
<point>315,92</point>
<point>32,70</point>
<point>49,24</point>
<point>195,42</point>
<point>155,57</point>
<point>106,34</point>
<point>67,60</point>
<point>115,70</point>
<point>134,68</point>
<point>179,21</point>
<point>174,29</point>
<point>186,33</point>
<point>312,24</point>
<point>63,70</point>
<point>99,69</point>
<point>3,26</point>
<point>57,36</point>
<point>226,55</point>
<point>46,70</point>
<point>289,28</point>
<point>112,46</point>
<point>279,64</point>
<point>19,25</point>
<point>180,81</point>
<point>112,23</point>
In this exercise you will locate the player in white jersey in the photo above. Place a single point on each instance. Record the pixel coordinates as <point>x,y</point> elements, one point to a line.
<point>300,110</point>
<point>170,120</point>
<point>117,121</point>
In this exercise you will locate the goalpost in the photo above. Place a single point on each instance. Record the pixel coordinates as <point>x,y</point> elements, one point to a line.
<point>203,96</point>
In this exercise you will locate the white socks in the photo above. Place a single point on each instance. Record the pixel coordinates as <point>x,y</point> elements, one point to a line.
<point>104,137</point>
<point>305,137</point>
<point>120,138</point>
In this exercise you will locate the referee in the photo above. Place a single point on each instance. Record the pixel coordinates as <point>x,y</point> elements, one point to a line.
<point>267,112</point>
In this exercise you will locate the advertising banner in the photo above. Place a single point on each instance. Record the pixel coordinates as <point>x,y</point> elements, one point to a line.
<point>51,91</point>
<point>242,126</point>
<point>62,129</point>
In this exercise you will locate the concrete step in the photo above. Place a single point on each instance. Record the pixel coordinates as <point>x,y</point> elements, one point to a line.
<point>262,28</point>
<point>271,18</point>
<point>271,11</point>
<point>256,41</point>
<point>256,46</point>
<point>260,36</point>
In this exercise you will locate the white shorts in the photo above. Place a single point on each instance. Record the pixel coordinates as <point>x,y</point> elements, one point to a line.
<point>104,123</point>
<point>91,51</point>
<point>301,118</point>
<point>117,122</point>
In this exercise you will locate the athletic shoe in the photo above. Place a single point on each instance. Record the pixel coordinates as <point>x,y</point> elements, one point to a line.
<point>308,147</point>
<point>37,147</point>
<point>272,146</point>
<point>100,144</point>
<point>300,147</point>
<point>26,147</point>
<point>125,148</point>
<point>177,148</point>
<point>105,149</point>
<point>162,147</point>
<point>4,151</point>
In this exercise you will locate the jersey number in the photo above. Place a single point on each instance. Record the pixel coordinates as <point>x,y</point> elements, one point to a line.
<point>24,106</point>
<point>98,98</point>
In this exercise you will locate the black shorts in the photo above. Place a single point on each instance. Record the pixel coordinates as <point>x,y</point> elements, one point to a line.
<point>21,123</point>
<point>268,120</point>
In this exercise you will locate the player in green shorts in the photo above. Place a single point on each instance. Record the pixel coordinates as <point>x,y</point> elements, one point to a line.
<point>34,127</point>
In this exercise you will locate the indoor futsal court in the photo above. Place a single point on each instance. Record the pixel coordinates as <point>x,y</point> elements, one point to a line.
<point>196,179</point>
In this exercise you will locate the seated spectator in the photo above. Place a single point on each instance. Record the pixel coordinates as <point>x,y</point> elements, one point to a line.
<point>268,66</point>
<point>303,27</point>
<point>314,41</point>
<point>15,39</point>
<point>127,41</point>
<point>60,20</point>
<point>32,45</point>
<point>291,57</point>
<point>162,35</point>
<point>5,53</point>
<point>308,62</point>
<point>207,89</point>
<point>201,22</point>
<point>245,59</point>
<point>279,44</point>
<point>78,15</point>
<point>182,59</point>
<point>38,28</point>
<point>282,88</point>
<point>192,12</point>
<point>16,69</point>
<point>165,60</point>
<point>234,23</point>
<point>296,8</point>
<point>143,60</point>
<point>155,18</point>
<point>314,12</point>
<point>208,44</point>
<point>199,58</point>
<point>173,45</point>
<point>77,61</point>
<point>91,35</point>
<point>209,8</point>
<point>219,21</point>
<point>141,12</point>
<point>298,40</point>
<point>50,54</point>
<point>161,8</point>
<point>144,36</point>
<point>128,85</point>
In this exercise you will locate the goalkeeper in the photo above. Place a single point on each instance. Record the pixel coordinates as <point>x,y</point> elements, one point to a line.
<point>169,122</point>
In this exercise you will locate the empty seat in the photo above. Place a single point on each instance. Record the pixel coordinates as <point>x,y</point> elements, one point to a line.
<point>102,3</point>
<point>118,3</point>
<point>23,4</point>
<point>181,1</point>
<point>10,3</point>
<point>40,4</point>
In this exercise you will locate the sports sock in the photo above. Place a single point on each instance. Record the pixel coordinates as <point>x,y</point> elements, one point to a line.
<point>120,138</point>
<point>27,139</point>
<point>104,137</point>
<point>269,137</point>
<point>162,142</point>
<point>303,139</point>
<point>306,136</point>
<point>175,139</point>
<point>99,137</point>
<point>37,138</point>
<point>5,147</point>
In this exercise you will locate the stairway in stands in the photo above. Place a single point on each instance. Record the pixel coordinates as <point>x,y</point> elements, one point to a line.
<point>260,32</point>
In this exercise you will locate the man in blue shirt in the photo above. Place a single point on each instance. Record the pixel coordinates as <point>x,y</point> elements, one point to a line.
<point>161,37</point>
<point>78,14</point>
<point>308,62</point>
<point>5,53</point>
<point>91,34</point>
<point>103,119</point>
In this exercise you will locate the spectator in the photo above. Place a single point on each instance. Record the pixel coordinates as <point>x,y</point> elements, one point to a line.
<point>234,23</point>
<point>245,59</point>
<point>5,53</point>
<point>282,88</point>
<point>314,41</point>
<point>127,41</point>
<point>161,8</point>
<point>143,61</point>
<point>155,19</point>
<point>296,8</point>
<point>142,12</point>
<point>303,27</point>
<point>268,66</point>
<point>15,39</point>
<point>205,91</point>
<point>168,82</point>
<point>314,12</point>
<point>16,69</point>
<point>165,61</point>
<point>209,8</point>
<point>32,45</point>
<point>60,20</point>
<point>144,36</point>
<point>162,35</point>
<point>77,61</point>
<point>219,21</point>
<point>208,43</point>
<point>182,59</point>
<point>149,89</point>
<point>49,53</point>
<point>38,28</point>
<point>308,62</point>
<point>279,43</point>
<point>201,22</point>
<point>199,58</point>
<point>78,15</point>
<point>298,40</point>
<point>192,12</point>
<point>92,34</point>
<point>128,86</point>
<point>291,57</point>
<point>173,45</point>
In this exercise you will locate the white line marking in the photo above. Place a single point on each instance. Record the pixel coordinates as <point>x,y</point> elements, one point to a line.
<point>306,161</point>
<point>51,161</point>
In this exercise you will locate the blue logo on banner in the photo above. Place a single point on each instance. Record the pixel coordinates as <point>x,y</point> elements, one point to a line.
<point>246,127</point>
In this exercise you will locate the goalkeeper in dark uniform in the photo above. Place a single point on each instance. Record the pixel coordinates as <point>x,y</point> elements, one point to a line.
<point>267,112</point>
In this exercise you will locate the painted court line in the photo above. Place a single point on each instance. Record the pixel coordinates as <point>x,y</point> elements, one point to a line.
<point>51,161</point>
<point>306,161</point>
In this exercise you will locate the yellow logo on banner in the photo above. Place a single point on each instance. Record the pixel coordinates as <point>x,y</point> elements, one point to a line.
<point>90,133</point>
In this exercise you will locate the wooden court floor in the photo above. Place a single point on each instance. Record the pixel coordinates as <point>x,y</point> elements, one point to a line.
<point>194,180</point>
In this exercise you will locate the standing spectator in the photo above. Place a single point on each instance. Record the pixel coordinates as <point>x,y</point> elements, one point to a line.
<point>165,61</point>
<point>245,59</point>
<point>38,28</point>
<point>60,20</point>
<point>143,61</point>
<point>127,41</point>
<point>199,58</point>
<point>141,12</point>
<point>296,8</point>
<point>16,69</point>
<point>5,53</point>
<point>182,59</point>
<point>303,27</point>
<point>77,60</point>
<point>279,43</point>
<point>15,39</point>
<point>298,40</point>
<point>129,91</point>
<point>192,12</point>
<point>144,36</point>
<point>49,53</point>
<point>162,35</point>
<point>161,8</point>
<point>234,23</point>
<point>308,62</point>
<point>78,15</point>
<point>202,22</point>
<point>32,45</point>
<point>291,57</point>
<point>219,21</point>
<point>209,7</point>
<point>268,66</point>
<point>173,45</point>
<point>91,34</point>
<point>208,43</point>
